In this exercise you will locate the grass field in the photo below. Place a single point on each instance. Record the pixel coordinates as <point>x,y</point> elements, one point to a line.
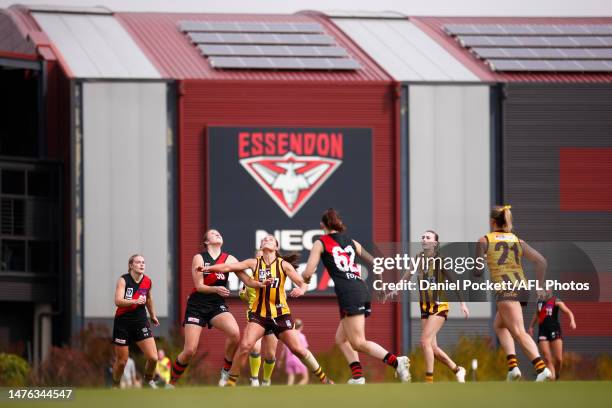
<point>484,394</point>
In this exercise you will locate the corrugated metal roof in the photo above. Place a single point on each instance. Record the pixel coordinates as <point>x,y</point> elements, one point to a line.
<point>433,26</point>
<point>175,57</point>
<point>96,46</point>
<point>405,51</point>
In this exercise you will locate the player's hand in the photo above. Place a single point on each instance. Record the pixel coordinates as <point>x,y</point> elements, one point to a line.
<point>141,300</point>
<point>573,325</point>
<point>222,291</point>
<point>202,268</point>
<point>267,282</point>
<point>464,309</point>
<point>155,321</point>
<point>296,292</point>
<point>530,331</point>
<point>307,279</point>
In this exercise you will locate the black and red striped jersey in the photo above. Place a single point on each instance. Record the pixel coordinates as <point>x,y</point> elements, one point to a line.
<point>211,279</point>
<point>339,257</point>
<point>134,290</point>
<point>548,312</point>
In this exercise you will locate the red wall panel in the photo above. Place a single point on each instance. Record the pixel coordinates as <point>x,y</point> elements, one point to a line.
<point>207,103</point>
<point>585,179</point>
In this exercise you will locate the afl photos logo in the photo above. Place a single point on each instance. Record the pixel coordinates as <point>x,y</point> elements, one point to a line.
<point>290,167</point>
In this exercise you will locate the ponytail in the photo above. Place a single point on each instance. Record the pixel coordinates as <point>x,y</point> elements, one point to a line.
<point>502,217</point>
<point>331,220</point>
<point>292,258</point>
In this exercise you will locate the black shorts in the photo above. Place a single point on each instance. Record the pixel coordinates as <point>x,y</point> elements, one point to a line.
<point>354,300</point>
<point>275,325</point>
<point>202,314</point>
<point>127,331</point>
<point>521,296</point>
<point>549,333</point>
<point>443,313</point>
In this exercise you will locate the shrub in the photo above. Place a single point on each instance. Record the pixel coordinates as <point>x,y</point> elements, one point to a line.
<point>14,370</point>
<point>604,367</point>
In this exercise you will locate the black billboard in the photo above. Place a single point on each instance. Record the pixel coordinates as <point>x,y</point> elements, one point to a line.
<point>272,180</point>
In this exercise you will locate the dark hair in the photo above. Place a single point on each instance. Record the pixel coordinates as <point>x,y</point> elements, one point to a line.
<point>502,217</point>
<point>203,244</point>
<point>293,258</point>
<point>331,220</point>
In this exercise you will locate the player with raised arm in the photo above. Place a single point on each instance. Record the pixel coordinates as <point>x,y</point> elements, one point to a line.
<point>206,306</point>
<point>337,251</point>
<point>270,311</point>
<point>266,345</point>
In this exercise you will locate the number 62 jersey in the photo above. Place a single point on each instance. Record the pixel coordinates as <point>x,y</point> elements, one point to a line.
<point>339,257</point>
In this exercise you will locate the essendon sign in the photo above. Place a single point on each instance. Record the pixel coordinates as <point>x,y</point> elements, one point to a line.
<point>280,180</point>
<point>290,166</point>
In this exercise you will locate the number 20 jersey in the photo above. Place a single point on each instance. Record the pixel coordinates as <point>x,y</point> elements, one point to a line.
<point>504,256</point>
<point>339,258</point>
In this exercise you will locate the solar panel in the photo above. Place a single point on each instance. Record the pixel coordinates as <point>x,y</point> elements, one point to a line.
<point>551,65</point>
<point>545,53</point>
<point>249,27</point>
<point>271,50</point>
<point>256,38</point>
<point>529,29</point>
<point>258,45</point>
<point>283,63</point>
<point>538,47</point>
<point>533,41</point>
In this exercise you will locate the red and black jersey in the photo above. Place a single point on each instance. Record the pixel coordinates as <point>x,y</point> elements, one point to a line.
<point>340,258</point>
<point>134,290</point>
<point>548,313</point>
<point>211,279</point>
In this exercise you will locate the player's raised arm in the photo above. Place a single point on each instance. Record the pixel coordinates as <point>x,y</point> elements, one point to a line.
<point>296,278</point>
<point>313,261</point>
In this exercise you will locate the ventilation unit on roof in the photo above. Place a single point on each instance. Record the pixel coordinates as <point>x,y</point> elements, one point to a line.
<point>275,46</point>
<point>538,47</point>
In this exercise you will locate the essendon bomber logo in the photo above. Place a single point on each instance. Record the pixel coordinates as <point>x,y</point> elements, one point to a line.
<point>290,166</point>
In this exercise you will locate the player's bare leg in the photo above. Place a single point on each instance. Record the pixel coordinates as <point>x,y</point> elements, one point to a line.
<point>354,329</point>
<point>292,341</point>
<point>148,348</point>
<point>121,358</point>
<point>430,326</point>
<point>252,333</point>
<point>512,315</point>
<point>352,357</point>
<point>556,348</point>
<point>226,323</point>
<point>192,338</point>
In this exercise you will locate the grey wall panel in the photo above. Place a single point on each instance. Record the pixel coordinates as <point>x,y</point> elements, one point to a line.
<point>125,189</point>
<point>449,164</point>
<point>449,171</point>
<point>538,119</point>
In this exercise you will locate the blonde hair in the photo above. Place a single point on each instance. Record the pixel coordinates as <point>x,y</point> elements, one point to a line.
<point>502,217</point>
<point>131,261</point>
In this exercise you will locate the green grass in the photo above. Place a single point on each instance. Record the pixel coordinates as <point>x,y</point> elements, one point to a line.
<point>483,394</point>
